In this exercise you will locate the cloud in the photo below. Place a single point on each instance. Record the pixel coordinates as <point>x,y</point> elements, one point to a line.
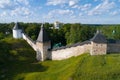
<point>83,7</point>
<point>6,4</point>
<point>76,6</point>
<point>80,14</point>
<point>59,13</point>
<point>21,11</point>
<point>73,2</point>
<point>115,12</point>
<point>62,2</point>
<point>25,2</point>
<point>3,14</point>
<point>56,2</point>
<point>63,12</point>
<point>12,4</point>
<point>15,7</point>
<point>103,7</point>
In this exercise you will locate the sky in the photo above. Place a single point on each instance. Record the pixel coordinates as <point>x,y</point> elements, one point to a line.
<point>65,11</point>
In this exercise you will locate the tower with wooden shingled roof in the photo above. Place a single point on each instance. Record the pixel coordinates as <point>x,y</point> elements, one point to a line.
<point>17,31</point>
<point>43,45</point>
<point>98,44</point>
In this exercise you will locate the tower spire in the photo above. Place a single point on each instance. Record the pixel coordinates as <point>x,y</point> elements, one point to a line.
<point>43,37</point>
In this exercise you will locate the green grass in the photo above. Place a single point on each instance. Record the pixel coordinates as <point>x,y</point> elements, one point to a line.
<point>17,62</point>
<point>105,67</point>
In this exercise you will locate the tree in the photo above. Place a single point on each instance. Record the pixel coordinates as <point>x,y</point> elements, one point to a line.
<point>1,35</point>
<point>74,35</point>
<point>32,30</point>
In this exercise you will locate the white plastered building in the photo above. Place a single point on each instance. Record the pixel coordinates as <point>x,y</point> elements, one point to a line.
<point>17,31</point>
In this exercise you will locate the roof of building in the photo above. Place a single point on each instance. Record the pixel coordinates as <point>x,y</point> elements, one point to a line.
<point>99,38</point>
<point>43,37</point>
<point>16,27</point>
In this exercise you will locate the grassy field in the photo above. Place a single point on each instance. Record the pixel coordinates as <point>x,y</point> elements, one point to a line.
<point>17,62</point>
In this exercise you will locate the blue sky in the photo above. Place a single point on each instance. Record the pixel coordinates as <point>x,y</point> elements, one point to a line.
<point>66,11</point>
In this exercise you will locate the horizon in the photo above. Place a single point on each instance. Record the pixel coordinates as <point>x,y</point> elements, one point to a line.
<point>67,11</point>
<point>60,22</point>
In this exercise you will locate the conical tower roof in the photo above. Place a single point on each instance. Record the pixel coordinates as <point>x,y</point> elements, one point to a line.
<point>16,27</point>
<point>99,38</point>
<point>43,37</point>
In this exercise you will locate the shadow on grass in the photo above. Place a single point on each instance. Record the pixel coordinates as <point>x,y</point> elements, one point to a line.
<point>14,69</point>
<point>11,68</point>
<point>20,60</point>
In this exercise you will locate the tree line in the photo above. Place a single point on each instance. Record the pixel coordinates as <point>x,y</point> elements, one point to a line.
<point>67,34</point>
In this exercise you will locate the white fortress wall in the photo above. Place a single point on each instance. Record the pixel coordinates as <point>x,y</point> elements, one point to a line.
<point>87,48</point>
<point>29,41</point>
<point>67,52</point>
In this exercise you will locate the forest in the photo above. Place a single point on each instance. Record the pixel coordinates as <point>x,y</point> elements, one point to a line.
<point>68,33</point>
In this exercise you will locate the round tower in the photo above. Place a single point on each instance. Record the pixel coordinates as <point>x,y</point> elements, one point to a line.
<point>17,31</point>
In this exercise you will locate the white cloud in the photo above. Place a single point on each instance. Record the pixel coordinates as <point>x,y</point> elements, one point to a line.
<point>21,11</point>
<point>3,14</point>
<point>103,7</point>
<point>5,4</point>
<point>59,13</point>
<point>83,7</point>
<point>12,4</point>
<point>62,2</point>
<point>63,12</point>
<point>15,7</point>
<point>72,2</point>
<point>115,12</point>
<point>56,2</point>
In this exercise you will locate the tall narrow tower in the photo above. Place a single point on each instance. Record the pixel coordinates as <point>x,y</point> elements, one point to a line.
<point>43,44</point>
<point>17,31</point>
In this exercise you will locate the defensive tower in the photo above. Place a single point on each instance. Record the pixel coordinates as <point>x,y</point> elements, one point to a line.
<point>43,45</point>
<point>17,31</point>
<point>98,44</point>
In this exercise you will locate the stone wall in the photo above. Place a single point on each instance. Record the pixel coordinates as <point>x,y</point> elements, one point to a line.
<point>87,48</point>
<point>69,52</point>
<point>43,52</point>
<point>29,41</point>
<point>113,48</point>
